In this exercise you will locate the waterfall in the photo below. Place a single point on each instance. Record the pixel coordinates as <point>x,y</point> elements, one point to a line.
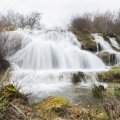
<point>47,61</point>
<point>56,50</point>
<point>105,46</point>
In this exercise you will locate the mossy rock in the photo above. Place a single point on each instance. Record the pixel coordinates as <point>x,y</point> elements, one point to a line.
<point>105,56</point>
<point>108,58</point>
<point>113,75</point>
<point>102,116</point>
<point>115,67</point>
<point>98,91</point>
<point>86,39</point>
<point>50,101</point>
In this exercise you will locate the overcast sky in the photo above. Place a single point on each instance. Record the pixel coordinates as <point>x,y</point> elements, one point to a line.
<point>56,12</point>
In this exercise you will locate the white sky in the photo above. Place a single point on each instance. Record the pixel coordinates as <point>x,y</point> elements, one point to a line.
<point>56,12</point>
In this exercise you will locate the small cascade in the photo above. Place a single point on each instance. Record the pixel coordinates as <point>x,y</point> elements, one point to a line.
<point>105,46</point>
<point>114,43</point>
<point>102,45</point>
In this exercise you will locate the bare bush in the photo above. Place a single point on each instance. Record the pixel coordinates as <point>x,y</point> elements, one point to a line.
<point>8,44</point>
<point>108,23</point>
<point>11,18</point>
<point>33,20</point>
<point>81,23</point>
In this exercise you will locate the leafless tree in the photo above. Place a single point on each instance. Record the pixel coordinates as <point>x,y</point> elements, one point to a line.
<point>108,22</point>
<point>81,23</point>
<point>11,18</point>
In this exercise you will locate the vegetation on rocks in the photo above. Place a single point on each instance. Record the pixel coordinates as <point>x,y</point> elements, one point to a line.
<point>98,91</point>
<point>10,102</point>
<point>86,39</point>
<point>50,102</point>
<point>113,75</point>
<point>108,58</point>
<point>16,106</point>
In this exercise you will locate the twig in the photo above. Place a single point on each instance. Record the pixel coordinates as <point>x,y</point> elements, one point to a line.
<point>18,110</point>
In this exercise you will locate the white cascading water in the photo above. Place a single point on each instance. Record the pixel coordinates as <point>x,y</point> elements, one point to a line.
<point>55,50</point>
<point>114,43</point>
<point>105,46</point>
<point>47,60</point>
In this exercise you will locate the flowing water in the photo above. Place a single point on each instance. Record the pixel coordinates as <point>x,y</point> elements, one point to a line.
<point>106,47</point>
<point>114,43</point>
<point>46,62</point>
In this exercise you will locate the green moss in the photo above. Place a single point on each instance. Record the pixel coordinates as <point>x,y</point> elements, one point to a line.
<point>102,116</point>
<point>108,58</point>
<point>115,71</point>
<point>50,102</point>
<point>105,56</point>
<point>9,92</point>
<point>11,28</point>
<point>115,67</point>
<point>113,75</point>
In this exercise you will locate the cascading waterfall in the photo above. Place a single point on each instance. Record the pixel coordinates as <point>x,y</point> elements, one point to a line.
<point>56,50</point>
<point>106,47</point>
<point>47,60</point>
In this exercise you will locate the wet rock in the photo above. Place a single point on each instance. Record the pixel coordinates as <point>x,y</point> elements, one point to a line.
<point>98,91</point>
<point>4,64</point>
<point>77,77</point>
<point>108,58</point>
<point>102,87</point>
<point>50,102</point>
